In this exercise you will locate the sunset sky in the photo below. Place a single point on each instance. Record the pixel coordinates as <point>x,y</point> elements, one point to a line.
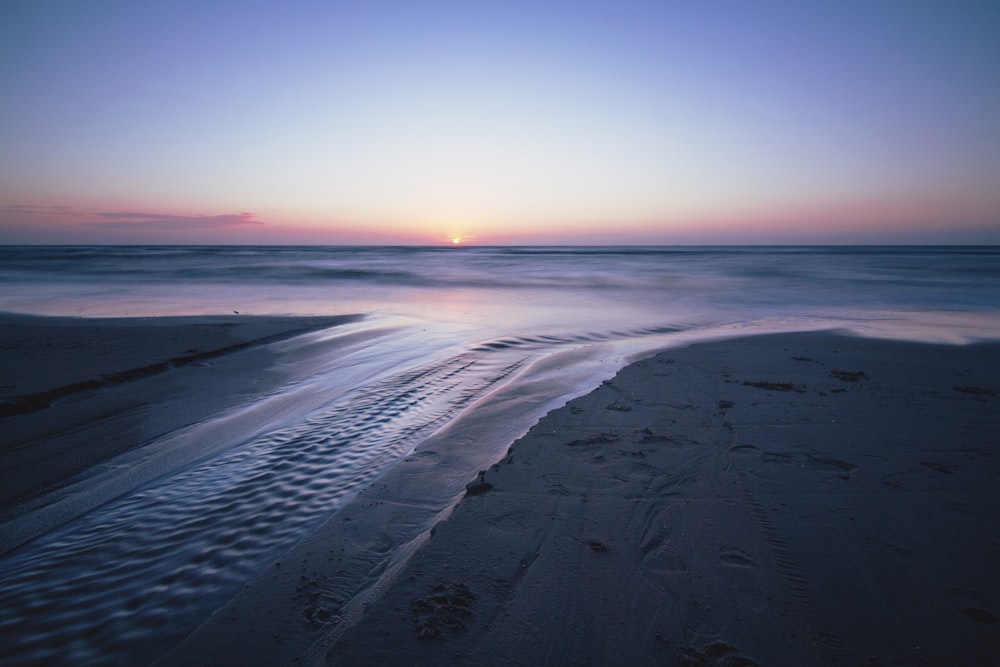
<point>858,121</point>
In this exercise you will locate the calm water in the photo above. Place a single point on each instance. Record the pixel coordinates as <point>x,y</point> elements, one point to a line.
<point>495,292</point>
<point>154,552</point>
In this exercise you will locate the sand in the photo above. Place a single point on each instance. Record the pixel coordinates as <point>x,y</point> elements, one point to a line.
<point>780,500</point>
<point>75,392</point>
<point>775,500</point>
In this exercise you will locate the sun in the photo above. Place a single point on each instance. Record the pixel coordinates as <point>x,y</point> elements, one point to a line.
<point>456,240</point>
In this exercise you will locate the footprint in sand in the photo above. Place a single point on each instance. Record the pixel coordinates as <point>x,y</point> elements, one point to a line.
<point>734,557</point>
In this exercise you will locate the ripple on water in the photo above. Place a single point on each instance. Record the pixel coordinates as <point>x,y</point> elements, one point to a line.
<point>142,571</point>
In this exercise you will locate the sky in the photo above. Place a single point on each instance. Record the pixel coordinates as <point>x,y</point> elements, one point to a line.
<point>506,122</point>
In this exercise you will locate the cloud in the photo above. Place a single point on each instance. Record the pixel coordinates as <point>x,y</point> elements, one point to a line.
<point>162,221</point>
<point>125,220</point>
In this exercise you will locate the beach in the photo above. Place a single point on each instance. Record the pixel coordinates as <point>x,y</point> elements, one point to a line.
<point>499,456</point>
<point>500,333</point>
<point>790,499</point>
<point>83,390</point>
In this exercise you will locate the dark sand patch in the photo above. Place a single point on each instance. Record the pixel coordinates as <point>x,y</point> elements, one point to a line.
<point>716,524</point>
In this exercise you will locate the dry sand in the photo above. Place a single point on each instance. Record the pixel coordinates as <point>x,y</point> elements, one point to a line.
<point>800,499</point>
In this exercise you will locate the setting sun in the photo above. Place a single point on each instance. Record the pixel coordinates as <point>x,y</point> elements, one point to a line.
<point>455,240</point>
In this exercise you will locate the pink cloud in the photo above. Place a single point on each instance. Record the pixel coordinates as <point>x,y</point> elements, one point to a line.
<point>127,220</point>
<point>132,220</point>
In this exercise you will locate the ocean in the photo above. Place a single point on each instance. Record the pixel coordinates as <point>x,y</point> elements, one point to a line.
<point>443,331</point>
<point>485,292</point>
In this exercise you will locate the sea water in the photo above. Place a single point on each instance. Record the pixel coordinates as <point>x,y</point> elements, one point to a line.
<point>494,292</point>
<point>129,573</point>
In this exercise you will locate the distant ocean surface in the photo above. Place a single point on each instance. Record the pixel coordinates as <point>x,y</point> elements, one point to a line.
<point>443,330</point>
<point>486,292</point>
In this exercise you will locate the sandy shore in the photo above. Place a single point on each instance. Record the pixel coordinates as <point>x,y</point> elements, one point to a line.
<point>774,500</point>
<point>77,391</point>
<point>780,500</point>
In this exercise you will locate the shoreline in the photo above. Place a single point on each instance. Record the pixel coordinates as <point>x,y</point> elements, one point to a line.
<point>780,498</point>
<point>80,391</point>
<point>170,343</point>
<point>783,499</point>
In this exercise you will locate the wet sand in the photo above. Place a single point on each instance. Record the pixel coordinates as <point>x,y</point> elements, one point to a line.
<point>75,392</point>
<point>777,500</point>
<point>773,500</point>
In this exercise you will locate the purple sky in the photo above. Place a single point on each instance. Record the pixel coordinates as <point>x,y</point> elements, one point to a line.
<point>500,122</point>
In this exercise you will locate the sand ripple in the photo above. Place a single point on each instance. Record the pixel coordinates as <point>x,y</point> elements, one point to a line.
<point>126,582</point>
<point>142,571</point>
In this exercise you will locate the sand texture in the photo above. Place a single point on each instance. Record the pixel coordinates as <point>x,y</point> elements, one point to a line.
<point>783,500</point>
<point>78,391</point>
<point>795,499</point>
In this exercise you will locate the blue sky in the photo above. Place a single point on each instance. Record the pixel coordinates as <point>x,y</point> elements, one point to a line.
<point>506,122</point>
